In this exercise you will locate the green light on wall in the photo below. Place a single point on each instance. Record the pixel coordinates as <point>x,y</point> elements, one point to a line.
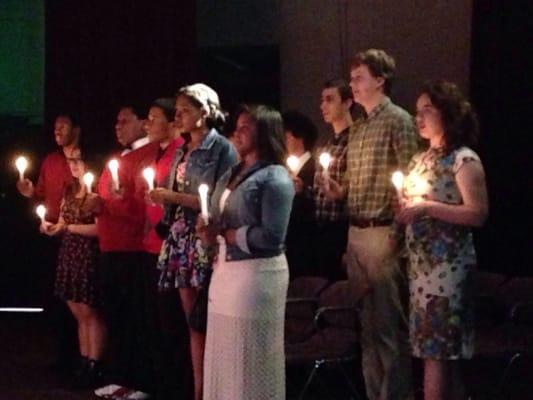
<point>22,59</point>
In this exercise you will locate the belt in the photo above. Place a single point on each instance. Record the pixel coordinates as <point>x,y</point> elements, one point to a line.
<point>369,223</point>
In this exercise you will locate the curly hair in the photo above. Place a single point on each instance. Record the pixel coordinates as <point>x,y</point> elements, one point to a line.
<point>459,120</point>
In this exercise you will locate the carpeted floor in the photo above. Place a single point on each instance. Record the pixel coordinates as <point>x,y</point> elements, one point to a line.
<point>27,373</point>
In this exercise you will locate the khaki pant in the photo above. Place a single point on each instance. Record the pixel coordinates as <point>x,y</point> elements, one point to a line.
<point>373,264</point>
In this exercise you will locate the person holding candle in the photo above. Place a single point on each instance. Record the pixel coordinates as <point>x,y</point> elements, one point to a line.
<point>440,215</point>
<point>54,177</point>
<point>121,227</point>
<point>332,222</point>
<point>202,159</point>
<point>300,139</point>
<point>380,143</point>
<point>54,174</point>
<point>76,274</point>
<point>169,339</point>
<point>250,210</point>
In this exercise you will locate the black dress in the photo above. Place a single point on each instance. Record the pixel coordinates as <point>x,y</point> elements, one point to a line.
<point>76,273</point>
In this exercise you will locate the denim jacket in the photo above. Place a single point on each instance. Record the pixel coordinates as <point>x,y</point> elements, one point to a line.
<point>259,209</point>
<point>206,164</point>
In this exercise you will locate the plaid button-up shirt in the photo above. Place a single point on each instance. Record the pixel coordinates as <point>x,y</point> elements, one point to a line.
<point>378,145</point>
<point>327,210</point>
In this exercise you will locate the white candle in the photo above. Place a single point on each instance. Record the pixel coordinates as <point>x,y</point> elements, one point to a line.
<point>21,163</point>
<point>293,162</point>
<point>149,175</point>
<point>397,181</point>
<point>88,179</point>
<point>113,168</point>
<point>203,189</point>
<point>325,160</point>
<point>40,210</point>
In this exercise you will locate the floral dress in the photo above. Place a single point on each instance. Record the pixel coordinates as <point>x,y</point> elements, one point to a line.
<point>183,261</point>
<point>76,273</point>
<point>442,258</point>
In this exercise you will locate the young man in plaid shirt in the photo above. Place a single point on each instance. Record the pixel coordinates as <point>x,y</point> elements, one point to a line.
<point>379,144</point>
<point>331,217</point>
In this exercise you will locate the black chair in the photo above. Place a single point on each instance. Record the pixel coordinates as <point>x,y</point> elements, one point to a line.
<point>333,342</point>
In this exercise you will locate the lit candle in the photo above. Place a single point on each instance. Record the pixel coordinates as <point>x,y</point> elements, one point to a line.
<point>325,160</point>
<point>40,210</point>
<point>21,163</point>
<point>88,179</point>
<point>397,181</point>
<point>113,168</point>
<point>203,189</point>
<point>293,162</point>
<point>149,175</point>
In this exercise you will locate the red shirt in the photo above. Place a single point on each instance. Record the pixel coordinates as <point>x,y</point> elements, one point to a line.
<point>121,224</point>
<point>54,176</point>
<point>154,212</point>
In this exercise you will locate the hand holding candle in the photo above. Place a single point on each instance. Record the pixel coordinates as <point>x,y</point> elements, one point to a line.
<point>292,163</point>
<point>21,163</point>
<point>397,181</point>
<point>203,189</point>
<point>113,168</point>
<point>325,161</point>
<point>149,175</point>
<point>88,179</point>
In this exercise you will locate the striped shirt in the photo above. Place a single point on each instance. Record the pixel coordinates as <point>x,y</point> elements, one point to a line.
<point>327,210</point>
<point>378,145</point>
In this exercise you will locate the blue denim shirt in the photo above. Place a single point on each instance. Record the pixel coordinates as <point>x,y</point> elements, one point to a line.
<point>206,164</point>
<point>259,209</point>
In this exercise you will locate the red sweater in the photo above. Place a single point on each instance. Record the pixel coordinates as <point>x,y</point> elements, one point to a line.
<point>121,224</point>
<point>54,176</point>
<point>154,212</point>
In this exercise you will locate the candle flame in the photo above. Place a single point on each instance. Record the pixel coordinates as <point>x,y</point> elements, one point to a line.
<point>88,178</point>
<point>292,163</point>
<point>397,180</point>
<point>21,163</point>
<point>149,174</point>
<point>113,165</point>
<point>40,210</point>
<point>325,160</point>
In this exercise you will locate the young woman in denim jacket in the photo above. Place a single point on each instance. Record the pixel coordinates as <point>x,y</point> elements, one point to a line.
<point>250,210</point>
<point>203,158</point>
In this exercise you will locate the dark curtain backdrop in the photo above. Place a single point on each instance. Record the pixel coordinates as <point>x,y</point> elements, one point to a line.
<point>501,90</point>
<point>98,55</point>
<point>101,54</point>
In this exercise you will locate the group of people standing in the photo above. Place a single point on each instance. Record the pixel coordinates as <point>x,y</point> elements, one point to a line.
<point>127,248</point>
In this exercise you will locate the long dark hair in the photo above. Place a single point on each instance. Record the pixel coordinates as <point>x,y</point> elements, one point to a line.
<point>459,120</point>
<point>270,138</point>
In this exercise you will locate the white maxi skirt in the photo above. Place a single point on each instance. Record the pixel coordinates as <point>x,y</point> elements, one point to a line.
<point>244,352</point>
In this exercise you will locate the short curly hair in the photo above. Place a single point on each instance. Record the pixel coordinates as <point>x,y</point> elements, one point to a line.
<point>461,127</point>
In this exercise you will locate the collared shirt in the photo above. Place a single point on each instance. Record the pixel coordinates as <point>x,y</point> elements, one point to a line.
<point>327,210</point>
<point>378,145</point>
<point>135,145</point>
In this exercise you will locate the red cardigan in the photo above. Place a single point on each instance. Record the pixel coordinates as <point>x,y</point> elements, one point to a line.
<point>154,212</point>
<point>121,225</point>
<point>54,176</point>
